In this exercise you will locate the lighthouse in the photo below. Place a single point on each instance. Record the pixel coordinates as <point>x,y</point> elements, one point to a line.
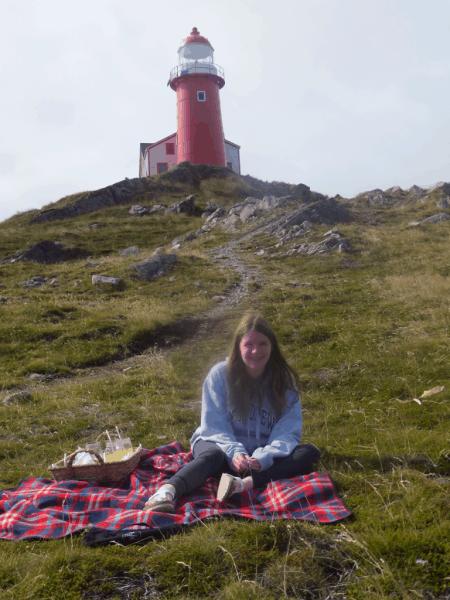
<point>199,137</point>
<point>197,81</point>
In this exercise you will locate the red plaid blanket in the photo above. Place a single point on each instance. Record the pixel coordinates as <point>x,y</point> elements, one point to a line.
<point>43,508</point>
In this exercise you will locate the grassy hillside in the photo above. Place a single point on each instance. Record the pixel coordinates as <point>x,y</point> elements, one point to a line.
<point>368,333</point>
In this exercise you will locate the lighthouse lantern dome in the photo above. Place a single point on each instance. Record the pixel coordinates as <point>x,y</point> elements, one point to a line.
<point>196,48</point>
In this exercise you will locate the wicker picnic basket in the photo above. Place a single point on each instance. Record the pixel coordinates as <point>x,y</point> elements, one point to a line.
<point>104,471</point>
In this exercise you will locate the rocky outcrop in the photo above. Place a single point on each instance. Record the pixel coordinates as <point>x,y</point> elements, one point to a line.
<point>377,197</point>
<point>46,252</point>
<point>439,218</point>
<point>131,251</point>
<point>118,193</point>
<point>138,210</point>
<point>185,207</point>
<point>443,203</point>
<point>332,243</point>
<point>116,282</point>
<point>325,211</point>
<point>441,187</point>
<point>155,266</point>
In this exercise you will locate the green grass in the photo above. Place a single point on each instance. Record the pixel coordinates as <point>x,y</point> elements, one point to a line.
<point>368,333</point>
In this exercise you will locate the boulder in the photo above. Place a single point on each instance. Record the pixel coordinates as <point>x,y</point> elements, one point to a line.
<point>156,207</point>
<point>102,279</point>
<point>186,207</point>
<point>155,266</point>
<point>326,212</point>
<point>249,212</point>
<point>301,192</point>
<point>217,214</point>
<point>18,397</point>
<point>271,202</point>
<point>34,282</point>
<point>377,197</point>
<point>44,252</point>
<point>331,243</point>
<point>140,211</point>
<point>439,218</point>
<point>443,203</point>
<point>131,251</point>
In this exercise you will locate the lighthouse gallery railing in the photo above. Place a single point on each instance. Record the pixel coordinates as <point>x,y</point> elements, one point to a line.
<point>203,68</point>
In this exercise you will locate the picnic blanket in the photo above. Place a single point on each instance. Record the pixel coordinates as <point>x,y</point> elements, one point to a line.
<point>44,508</point>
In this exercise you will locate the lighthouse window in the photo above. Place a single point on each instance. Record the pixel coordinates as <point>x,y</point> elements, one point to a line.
<point>201,96</point>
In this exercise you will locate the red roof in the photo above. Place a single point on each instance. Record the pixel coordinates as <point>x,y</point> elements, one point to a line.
<point>196,38</point>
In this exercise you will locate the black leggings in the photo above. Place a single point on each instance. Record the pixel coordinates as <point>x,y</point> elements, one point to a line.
<point>210,460</point>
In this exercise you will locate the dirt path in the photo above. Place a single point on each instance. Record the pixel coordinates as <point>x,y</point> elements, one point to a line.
<point>187,330</point>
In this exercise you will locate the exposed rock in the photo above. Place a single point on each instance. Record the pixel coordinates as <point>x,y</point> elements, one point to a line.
<point>46,252</point>
<point>439,218</point>
<point>190,236</point>
<point>250,212</point>
<point>443,203</point>
<point>325,211</point>
<point>156,207</point>
<point>441,186</point>
<point>34,282</point>
<point>43,252</point>
<point>118,193</point>
<point>217,214</point>
<point>4,299</point>
<point>286,235</point>
<point>301,192</point>
<point>140,211</point>
<point>186,207</point>
<point>160,250</point>
<point>210,209</point>
<point>155,266</point>
<point>416,192</point>
<point>331,243</point>
<point>393,190</point>
<point>377,197</point>
<point>333,231</point>
<point>18,397</point>
<point>131,251</point>
<point>102,279</point>
<point>271,202</point>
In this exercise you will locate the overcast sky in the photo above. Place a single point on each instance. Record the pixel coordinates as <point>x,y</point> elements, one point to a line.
<point>342,95</point>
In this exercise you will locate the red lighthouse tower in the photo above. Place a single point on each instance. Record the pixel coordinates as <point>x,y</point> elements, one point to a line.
<point>197,81</point>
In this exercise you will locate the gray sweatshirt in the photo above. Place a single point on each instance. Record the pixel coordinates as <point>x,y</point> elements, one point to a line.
<point>261,436</point>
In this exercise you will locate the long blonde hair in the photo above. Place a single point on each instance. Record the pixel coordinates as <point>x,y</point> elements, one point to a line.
<point>278,375</point>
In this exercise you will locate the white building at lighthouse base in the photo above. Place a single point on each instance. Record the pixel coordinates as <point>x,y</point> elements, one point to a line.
<point>161,156</point>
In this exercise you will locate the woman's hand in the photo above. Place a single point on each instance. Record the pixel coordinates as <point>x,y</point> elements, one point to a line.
<point>254,464</point>
<point>240,462</point>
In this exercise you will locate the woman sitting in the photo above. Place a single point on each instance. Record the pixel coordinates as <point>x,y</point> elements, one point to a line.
<point>251,422</point>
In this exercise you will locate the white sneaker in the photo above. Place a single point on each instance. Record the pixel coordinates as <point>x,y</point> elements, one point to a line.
<point>228,486</point>
<point>161,501</point>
